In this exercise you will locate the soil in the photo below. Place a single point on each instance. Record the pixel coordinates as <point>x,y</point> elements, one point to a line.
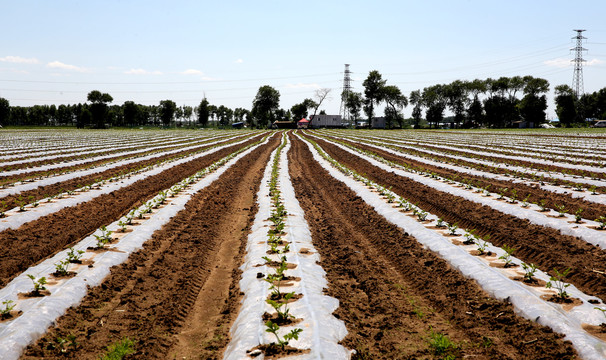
<point>390,297</point>
<point>590,210</point>
<point>545,247</point>
<point>176,297</point>
<point>32,242</point>
<point>42,192</point>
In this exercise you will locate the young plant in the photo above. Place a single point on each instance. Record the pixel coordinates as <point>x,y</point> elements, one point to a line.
<point>557,282</point>
<point>470,237</point>
<point>74,255</point>
<point>452,229</point>
<point>282,342</point>
<point>561,210</point>
<point>8,307</point>
<point>529,271</point>
<point>507,256</point>
<point>2,208</point>
<point>593,190</point>
<point>597,308</point>
<point>525,201</point>
<point>122,225</point>
<point>278,305</point>
<point>481,244</point>
<point>119,350</point>
<point>513,196</point>
<point>440,223</point>
<point>38,283</point>
<point>61,267</point>
<point>422,215</point>
<point>602,221</point>
<point>104,238</point>
<point>577,216</point>
<point>502,192</point>
<point>542,205</point>
<point>21,203</point>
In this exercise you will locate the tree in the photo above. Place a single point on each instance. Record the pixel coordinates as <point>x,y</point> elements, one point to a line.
<point>167,111</point>
<point>300,111</point>
<point>416,99</point>
<point>395,101</point>
<point>353,103</point>
<point>5,111</point>
<point>187,113</point>
<point>98,108</point>
<point>565,100</point>
<point>456,97</point>
<point>435,102</point>
<point>203,112</point>
<point>224,114</point>
<point>475,110</point>
<point>319,95</point>
<point>373,90</point>
<point>533,105</point>
<point>130,111</point>
<point>265,105</point>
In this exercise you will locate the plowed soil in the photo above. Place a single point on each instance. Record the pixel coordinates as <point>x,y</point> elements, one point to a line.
<point>545,247</point>
<point>21,248</point>
<point>535,194</point>
<point>394,295</point>
<point>177,296</point>
<point>77,182</point>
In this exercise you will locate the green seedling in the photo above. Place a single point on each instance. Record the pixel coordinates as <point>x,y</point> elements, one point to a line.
<point>529,271</point>
<point>502,192</point>
<point>481,244</point>
<point>61,267</point>
<point>508,254</point>
<point>8,307</point>
<point>513,196</point>
<point>442,345</point>
<point>577,215</point>
<point>597,308</point>
<point>74,255</point>
<point>422,215</point>
<point>593,189</point>
<point>470,237</point>
<point>104,238</point>
<point>283,314</point>
<point>561,210</point>
<point>440,223</point>
<point>452,229</point>
<point>557,282</point>
<point>122,225</point>
<point>525,201</point>
<point>282,342</point>
<point>602,221</point>
<point>542,205</point>
<point>119,350</point>
<point>38,283</point>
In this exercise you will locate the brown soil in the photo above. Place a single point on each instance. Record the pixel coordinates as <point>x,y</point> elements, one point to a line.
<point>390,297</point>
<point>21,248</point>
<point>176,297</point>
<point>545,247</point>
<point>534,282</point>
<point>598,331</point>
<point>75,183</point>
<point>536,194</point>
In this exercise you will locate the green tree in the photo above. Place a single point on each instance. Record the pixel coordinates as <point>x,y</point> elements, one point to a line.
<point>456,98</point>
<point>395,101</point>
<point>265,105</point>
<point>435,102</point>
<point>187,114</point>
<point>5,111</point>
<point>131,113</point>
<point>565,100</point>
<point>416,99</point>
<point>167,111</point>
<point>475,110</point>
<point>99,107</point>
<point>300,111</point>
<point>373,91</point>
<point>203,112</point>
<point>353,103</point>
<point>534,103</point>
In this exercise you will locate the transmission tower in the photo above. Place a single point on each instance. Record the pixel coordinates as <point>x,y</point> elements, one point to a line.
<point>344,111</point>
<point>577,77</point>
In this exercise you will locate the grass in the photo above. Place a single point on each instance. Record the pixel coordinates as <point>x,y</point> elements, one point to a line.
<point>119,350</point>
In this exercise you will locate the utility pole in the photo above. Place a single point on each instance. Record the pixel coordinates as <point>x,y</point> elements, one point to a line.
<point>344,111</point>
<point>577,77</point>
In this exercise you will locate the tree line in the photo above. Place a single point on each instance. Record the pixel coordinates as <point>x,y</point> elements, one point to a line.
<point>490,103</point>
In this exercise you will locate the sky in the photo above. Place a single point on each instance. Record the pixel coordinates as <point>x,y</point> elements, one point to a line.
<point>56,52</point>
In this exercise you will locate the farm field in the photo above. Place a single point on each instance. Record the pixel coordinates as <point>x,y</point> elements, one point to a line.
<point>324,243</point>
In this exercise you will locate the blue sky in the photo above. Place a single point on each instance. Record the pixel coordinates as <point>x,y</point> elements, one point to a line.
<point>55,52</point>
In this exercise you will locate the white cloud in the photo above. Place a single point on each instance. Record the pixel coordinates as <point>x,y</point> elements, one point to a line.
<point>302,86</point>
<point>564,63</point>
<point>192,72</point>
<point>60,65</point>
<point>142,72</point>
<point>239,61</point>
<point>19,60</point>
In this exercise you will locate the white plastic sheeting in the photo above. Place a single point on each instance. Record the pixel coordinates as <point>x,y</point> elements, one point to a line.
<point>321,330</point>
<point>17,218</point>
<point>547,175</point>
<point>526,301</point>
<point>562,224</point>
<point>40,313</point>
<point>585,195</point>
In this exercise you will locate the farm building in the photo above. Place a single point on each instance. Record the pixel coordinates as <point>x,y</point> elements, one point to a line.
<point>303,124</point>
<point>326,121</point>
